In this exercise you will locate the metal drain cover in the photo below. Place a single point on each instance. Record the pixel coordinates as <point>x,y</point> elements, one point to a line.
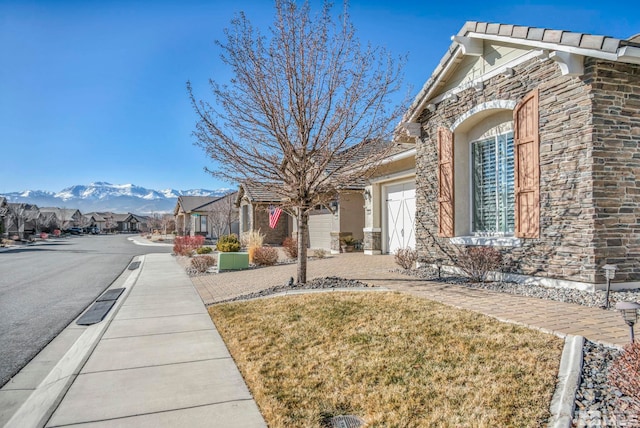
<point>345,421</point>
<point>134,265</point>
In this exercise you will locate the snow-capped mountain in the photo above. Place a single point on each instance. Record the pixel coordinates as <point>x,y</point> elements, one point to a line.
<point>102,196</point>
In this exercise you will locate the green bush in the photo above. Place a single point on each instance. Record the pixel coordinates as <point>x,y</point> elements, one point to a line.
<point>228,243</point>
<point>204,250</point>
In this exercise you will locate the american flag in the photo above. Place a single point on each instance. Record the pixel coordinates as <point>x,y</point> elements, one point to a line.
<point>274,216</point>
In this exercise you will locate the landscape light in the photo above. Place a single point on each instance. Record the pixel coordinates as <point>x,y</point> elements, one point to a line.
<point>609,273</point>
<point>629,311</point>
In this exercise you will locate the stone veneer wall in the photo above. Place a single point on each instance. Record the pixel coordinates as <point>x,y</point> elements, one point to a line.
<point>261,221</point>
<point>579,225</point>
<point>616,169</point>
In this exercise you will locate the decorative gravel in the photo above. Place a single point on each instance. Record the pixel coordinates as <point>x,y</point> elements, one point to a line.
<point>315,284</point>
<point>585,298</point>
<point>598,404</point>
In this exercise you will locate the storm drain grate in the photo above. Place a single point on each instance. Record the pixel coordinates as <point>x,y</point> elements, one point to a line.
<point>134,265</point>
<point>111,295</point>
<point>345,421</point>
<point>96,312</point>
<point>101,307</point>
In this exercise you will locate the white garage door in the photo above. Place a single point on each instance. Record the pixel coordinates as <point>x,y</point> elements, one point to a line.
<point>320,229</point>
<point>401,212</point>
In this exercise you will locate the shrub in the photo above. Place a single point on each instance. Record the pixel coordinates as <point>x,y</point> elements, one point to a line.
<point>252,238</point>
<point>186,245</point>
<point>204,250</point>
<point>406,257</point>
<point>290,248</point>
<point>265,256</point>
<point>320,253</point>
<point>202,263</point>
<point>477,262</point>
<point>228,243</point>
<point>624,374</point>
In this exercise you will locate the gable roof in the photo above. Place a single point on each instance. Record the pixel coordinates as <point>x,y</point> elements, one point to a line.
<point>194,203</point>
<point>257,193</point>
<point>564,47</point>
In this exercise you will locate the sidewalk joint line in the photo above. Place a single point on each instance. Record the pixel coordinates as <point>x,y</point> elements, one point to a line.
<point>152,413</point>
<point>156,334</point>
<point>155,365</point>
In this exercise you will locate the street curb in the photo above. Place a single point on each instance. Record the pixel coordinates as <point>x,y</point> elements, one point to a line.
<point>563,400</point>
<point>36,410</point>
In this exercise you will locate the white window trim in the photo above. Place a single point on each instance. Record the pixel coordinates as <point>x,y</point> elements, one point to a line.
<point>481,234</point>
<point>487,241</point>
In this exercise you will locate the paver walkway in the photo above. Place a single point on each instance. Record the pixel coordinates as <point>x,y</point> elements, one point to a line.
<point>557,317</point>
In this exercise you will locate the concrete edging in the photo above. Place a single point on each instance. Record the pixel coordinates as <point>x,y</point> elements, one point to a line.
<point>40,405</point>
<point>563,400</point>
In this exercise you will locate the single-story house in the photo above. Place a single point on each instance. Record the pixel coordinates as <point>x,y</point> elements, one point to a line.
<point>528,140</point>
<point>127,223</point>
<point>210,216</point>
<point>22,220</point>
<point>64,217</point>
<point>254,204</point>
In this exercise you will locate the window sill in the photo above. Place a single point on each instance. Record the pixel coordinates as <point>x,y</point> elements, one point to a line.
<point>487,241</point>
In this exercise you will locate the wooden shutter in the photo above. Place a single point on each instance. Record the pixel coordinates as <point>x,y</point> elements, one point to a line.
<point>527,167</point>
<point>445,183</point>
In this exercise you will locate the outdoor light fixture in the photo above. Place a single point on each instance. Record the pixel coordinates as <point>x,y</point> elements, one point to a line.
<point>629,312</point>
<point>609,273</point>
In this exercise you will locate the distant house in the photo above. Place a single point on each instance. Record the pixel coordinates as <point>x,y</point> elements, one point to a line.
<point>64,217</point>
<point>127,223</point>
<point>4,207</point>
<point>527,140</point>
<point>21,220</point>
<point>94,219</point>
<point>206,215</point>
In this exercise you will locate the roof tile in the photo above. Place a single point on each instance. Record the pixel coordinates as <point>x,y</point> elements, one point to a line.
<point>519,32</point>
<point>590,41</point>
<point>552,36</point>
<point>481,27</point>
<point>535,33</point>
<point>493,28</point>
<point>571,39</point>
<point>610,44</point>
<point>505,30</point>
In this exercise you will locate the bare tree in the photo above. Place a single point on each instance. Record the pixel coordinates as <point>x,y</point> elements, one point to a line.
<point>168,223</point>
<point>303,108</point>
<point>221,214</point>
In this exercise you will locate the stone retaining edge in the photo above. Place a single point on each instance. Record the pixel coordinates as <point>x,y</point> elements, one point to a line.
<point>563,400</point>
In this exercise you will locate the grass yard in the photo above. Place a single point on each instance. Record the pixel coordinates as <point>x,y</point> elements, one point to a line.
<point>392,359</point>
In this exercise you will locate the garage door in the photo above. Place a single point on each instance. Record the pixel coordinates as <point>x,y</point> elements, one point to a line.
<point>320,229</point>
<point>401,212</point>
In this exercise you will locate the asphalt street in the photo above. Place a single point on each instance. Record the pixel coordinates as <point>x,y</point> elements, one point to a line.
<point>44,287</point>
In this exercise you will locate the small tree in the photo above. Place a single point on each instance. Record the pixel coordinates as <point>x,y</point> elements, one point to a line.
<point>304,107</point>
<point>221,214</point>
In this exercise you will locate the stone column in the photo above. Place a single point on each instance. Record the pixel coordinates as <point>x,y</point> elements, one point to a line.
<point>372,240</point>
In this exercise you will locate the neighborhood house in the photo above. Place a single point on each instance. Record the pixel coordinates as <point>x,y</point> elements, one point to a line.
<point>528,140</point>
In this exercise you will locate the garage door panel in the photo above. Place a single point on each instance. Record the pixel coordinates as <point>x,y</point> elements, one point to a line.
<point>401,208</point>
<point>320,230</point>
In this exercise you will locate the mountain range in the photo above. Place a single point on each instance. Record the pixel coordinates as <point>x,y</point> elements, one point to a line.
<point>118,198</point>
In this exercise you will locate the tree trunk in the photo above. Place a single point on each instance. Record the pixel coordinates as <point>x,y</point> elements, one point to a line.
<point>303,226</point>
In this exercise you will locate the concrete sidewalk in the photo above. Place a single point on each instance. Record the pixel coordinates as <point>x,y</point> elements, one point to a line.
<point>159,363</point>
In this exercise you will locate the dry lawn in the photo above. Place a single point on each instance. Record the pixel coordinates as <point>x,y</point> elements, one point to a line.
<point>392,359</point>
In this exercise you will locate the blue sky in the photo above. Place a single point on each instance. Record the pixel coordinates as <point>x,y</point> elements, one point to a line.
<point>95,90</point>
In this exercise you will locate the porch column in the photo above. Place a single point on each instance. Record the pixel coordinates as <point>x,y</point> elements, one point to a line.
<point>372,242</point>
